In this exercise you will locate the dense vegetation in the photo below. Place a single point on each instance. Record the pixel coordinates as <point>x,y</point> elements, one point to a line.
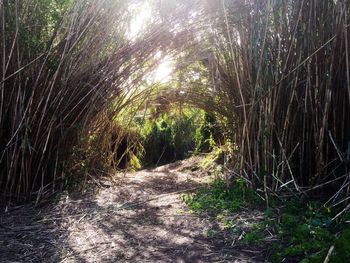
<point>264,84</point>
<point>164,136</point>
<point>67,69</point>
<point>170,137</point>
<point>275,72</point>
<point>295,230</point>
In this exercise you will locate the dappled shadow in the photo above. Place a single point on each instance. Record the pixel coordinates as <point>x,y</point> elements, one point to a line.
<point>26,237</point>
<point>140,219</point>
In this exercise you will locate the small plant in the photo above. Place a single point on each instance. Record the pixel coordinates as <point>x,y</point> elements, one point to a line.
<point>253,237</point>
<point>218,198</point>
<point>342,247</point>
<point>216,156</point>
<point>308,233</point>
<point>305,231</point>
<point>135,162</point>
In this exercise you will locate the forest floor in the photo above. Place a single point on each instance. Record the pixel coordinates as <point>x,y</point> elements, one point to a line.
<point>134,217</point>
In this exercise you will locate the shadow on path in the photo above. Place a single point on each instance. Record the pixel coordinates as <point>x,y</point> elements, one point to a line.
<point>139,219</point>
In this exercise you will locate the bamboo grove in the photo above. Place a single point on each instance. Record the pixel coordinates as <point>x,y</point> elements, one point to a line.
<point>278,75</point>
<point>64,65</point>
<point>281,74</point>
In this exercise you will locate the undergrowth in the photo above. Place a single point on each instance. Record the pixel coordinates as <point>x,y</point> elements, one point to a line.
<point>161,138</point>
<point>307,233</point>
<point>173,133</point>
<point>217,198</point>
<point>301,231</point>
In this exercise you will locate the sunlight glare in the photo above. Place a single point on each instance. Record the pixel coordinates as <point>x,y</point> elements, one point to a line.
<point>163,73</point>
<point>142,16</point>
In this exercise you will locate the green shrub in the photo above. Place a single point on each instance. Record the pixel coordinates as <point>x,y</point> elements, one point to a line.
<point>170,137</point>
<point>342,247</point>
<point>204,135</point>
<point>218,198</point>
<point>216,156</point>
<point>305,231</point>
<point>157,142</point>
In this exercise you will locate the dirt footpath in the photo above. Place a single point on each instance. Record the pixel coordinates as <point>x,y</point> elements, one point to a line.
<point>134,218</point>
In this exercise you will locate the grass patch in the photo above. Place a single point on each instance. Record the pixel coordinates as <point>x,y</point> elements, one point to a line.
<point>252,238</point>
<point>217,198</point>
<point>304,231</point>
<point>307,232</point>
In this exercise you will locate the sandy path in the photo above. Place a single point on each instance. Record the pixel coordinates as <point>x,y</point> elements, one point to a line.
<point>139,218</point>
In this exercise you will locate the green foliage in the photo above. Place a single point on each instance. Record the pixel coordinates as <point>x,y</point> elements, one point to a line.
<point>216,156</point>
<point>305,231</point>
<point>218,198</point>
<point>308,234</point>
<point>170,137</point>
<point>135,162</point>
<point>47,16</point>
<point>253,237</point>
<point>204,134</point>
<point>342,247</point>
<point>158,143</point>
